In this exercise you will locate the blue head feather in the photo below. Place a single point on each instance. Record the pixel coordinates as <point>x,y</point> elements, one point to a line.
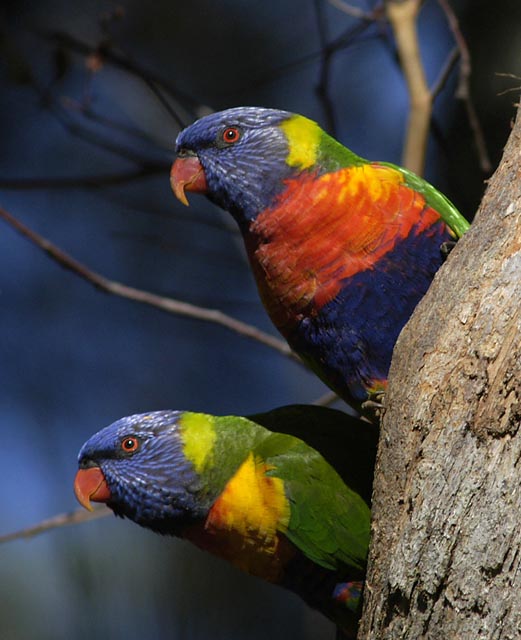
<point>155,486</point>
<point>243,177</point>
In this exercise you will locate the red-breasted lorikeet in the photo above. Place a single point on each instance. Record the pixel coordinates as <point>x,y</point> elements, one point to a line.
<point>263,500</point>
<point>342,249</point>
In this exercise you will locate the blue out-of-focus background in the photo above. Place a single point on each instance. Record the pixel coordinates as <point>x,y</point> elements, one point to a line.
<point>76,106</point>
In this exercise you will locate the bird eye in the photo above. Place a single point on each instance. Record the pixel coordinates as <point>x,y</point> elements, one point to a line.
<point>130,444</point>
<point>231,135</point>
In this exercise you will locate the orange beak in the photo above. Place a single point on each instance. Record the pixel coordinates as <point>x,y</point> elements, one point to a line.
<point>187,174</point>
<point>90,484</point>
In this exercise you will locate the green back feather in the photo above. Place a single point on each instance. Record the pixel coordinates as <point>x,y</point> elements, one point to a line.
<point>329,522</point>
<point>347,443</point>
<point>435,199</point>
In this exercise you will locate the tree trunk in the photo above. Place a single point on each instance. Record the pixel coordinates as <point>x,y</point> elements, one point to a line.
<point>446,550</point>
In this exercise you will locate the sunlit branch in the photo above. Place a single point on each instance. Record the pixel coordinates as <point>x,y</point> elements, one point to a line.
<point>402,16</point>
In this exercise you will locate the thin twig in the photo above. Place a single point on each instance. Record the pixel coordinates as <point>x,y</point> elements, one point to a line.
<point>61,520</point>
<point>164,102</point>
<point>449,65</point>
<point>463,92</point>
<point>508,75</point>
<point>88,112</point>
<point>356,12</point>
<point>88,135</point>
<point>342,42</point>
<point>329,48</point>
<point>322,88</point>
<point>119,60</point>
<point>169,305</point>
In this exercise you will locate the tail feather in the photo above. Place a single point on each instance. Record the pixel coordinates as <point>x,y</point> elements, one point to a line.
<point>349,594</point>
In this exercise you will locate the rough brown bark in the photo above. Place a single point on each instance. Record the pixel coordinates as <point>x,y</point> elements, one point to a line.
<point>446,551</point>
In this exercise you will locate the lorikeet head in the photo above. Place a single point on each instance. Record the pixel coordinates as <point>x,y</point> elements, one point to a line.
<point>137,467</point>
<point>241,157</point>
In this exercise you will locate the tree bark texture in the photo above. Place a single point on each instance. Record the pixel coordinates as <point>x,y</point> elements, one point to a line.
<point>445,560</point>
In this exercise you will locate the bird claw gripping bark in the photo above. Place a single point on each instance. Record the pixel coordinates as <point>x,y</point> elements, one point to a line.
<point>447,247</point>
<point>374,407</point>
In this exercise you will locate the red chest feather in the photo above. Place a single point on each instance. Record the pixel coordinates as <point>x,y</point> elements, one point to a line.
<point>324,229</point>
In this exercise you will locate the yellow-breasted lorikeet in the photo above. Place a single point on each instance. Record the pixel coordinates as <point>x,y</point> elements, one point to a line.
<point>342,249</point>
<point>263,500</point>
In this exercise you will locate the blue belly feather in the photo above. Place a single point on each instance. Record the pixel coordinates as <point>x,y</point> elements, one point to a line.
<point>349,342</point>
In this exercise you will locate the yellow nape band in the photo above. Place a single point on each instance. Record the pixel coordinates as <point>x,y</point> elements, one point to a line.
<point>252,504</point>
<point>198,435</point>
<point>303,137</point>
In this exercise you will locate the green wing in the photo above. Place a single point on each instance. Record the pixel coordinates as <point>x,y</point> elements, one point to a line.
<point>329,522</point>
<point>434,199</point>
<point>347,443</point>
<point>333,155</point>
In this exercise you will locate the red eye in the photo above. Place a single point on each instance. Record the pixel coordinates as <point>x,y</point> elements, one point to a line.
<point>130,444</point>
<point>231,135</point>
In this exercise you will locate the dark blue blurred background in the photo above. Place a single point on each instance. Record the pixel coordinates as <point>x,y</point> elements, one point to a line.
<point>74,359</point>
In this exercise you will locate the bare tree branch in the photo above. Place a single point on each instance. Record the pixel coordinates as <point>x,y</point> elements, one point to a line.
<point>169,305</point>
<point>63,519</point>
<point>449,65</point>
<point>402,16</point>
<point>120,60</point>
<point>329,48</point>
<point>356,12</point>
<point>322,88</point>
<point>88,112</point>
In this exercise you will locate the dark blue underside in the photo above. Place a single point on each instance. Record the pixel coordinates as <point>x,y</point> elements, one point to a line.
<point>349,343</point>
<point>317,585</point>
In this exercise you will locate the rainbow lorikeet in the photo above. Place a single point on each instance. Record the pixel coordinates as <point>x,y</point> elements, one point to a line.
<point>342,249</point>
<point>263,500</point>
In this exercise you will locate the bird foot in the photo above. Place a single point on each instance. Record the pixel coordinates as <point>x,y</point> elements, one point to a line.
<point>447,247</point>
<point>374,407</point>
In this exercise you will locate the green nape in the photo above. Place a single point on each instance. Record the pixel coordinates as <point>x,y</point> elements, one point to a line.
<point>310,147</point>
<point>218,445</point>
